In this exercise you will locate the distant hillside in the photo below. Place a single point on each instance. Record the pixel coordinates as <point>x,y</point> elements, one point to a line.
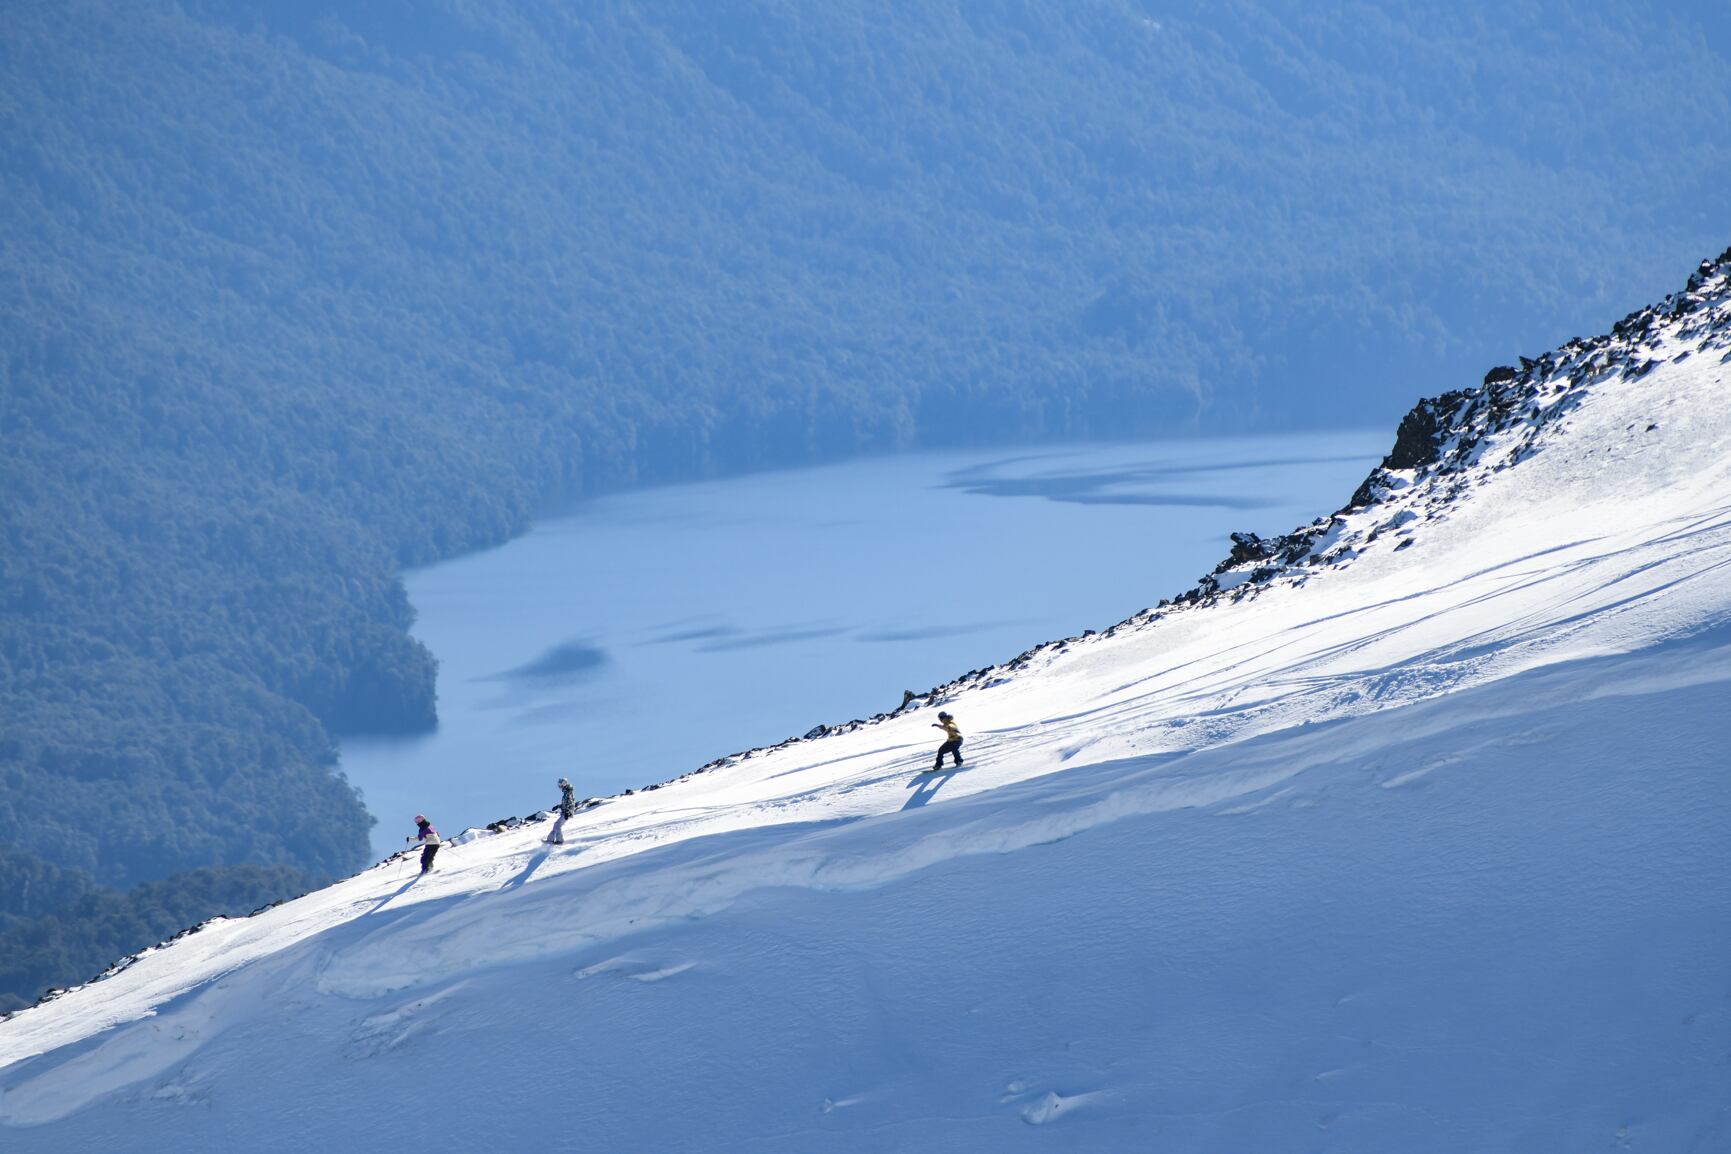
<point>1405,833</point>
<point>300,294</point>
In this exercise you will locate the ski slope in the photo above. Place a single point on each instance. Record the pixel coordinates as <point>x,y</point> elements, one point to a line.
<point>1406,832</point>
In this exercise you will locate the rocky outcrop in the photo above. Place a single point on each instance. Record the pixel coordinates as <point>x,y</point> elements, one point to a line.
<point>1439,446</point>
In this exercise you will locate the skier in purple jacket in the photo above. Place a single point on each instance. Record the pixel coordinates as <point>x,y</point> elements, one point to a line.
<point>428,839</point>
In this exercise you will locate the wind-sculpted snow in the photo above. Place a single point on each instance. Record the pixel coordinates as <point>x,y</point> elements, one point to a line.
<point>1448,445</point>
<point>1401,832</point>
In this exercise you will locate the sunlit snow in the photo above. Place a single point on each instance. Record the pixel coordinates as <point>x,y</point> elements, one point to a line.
<point>1413,841</point>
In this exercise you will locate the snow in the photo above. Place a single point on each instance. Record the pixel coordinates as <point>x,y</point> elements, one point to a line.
<point>1376,850</point>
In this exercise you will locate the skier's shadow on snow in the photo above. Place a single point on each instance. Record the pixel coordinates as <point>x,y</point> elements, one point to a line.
<point>529,867</point>
<point>398,892</point>
<point>926,785</point>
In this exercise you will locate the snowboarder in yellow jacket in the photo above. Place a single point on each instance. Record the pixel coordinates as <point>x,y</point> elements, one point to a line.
<point>952,741</point>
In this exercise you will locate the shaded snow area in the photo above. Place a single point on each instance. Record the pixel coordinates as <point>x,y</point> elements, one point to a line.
<point>1410,835</point>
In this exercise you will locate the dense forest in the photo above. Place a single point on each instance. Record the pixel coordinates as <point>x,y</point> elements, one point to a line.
<point>293,296</point>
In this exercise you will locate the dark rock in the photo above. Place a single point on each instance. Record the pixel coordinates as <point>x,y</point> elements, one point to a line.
<point>1415,441</point>
<point>1248,547</point>
<point>1366,491</point>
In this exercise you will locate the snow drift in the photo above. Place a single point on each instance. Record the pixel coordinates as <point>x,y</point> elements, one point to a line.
<point>1404,831</point>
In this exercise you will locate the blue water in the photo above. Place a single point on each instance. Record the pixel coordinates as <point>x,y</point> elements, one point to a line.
<point>644,634</point>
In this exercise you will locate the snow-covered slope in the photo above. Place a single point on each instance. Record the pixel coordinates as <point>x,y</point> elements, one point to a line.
<point>1402,832</point>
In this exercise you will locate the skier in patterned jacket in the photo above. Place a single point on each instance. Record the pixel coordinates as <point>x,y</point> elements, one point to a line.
<point>567,807</point>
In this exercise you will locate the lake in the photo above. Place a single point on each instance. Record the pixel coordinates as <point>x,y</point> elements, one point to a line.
<point>644,634</point>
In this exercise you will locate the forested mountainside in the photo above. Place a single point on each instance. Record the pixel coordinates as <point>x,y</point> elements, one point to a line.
<point>1404,833</point>
<point>299,294</point>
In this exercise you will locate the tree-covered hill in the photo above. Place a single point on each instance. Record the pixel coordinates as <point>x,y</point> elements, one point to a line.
<point>293,295</point>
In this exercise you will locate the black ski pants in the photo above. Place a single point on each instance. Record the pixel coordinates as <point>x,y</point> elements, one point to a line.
<point>953,747</point>
<point>428,853</point>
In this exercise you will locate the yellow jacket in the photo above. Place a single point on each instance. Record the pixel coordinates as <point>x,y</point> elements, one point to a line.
<point>949,728</point>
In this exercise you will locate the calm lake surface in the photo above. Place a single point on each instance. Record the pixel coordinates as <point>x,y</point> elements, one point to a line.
<point>644,634</point>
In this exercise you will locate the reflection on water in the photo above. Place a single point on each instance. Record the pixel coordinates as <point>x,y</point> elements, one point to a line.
<point>928,632</point>
<point>562,662</point>
<point>644,634</point>
<point>1137,485</point>
<point>730,639</point>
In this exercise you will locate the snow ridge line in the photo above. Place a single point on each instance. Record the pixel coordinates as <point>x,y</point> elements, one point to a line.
<point>1443,446</point>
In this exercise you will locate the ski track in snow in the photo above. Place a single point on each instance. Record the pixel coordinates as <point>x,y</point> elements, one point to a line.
<point>1595,573</point>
